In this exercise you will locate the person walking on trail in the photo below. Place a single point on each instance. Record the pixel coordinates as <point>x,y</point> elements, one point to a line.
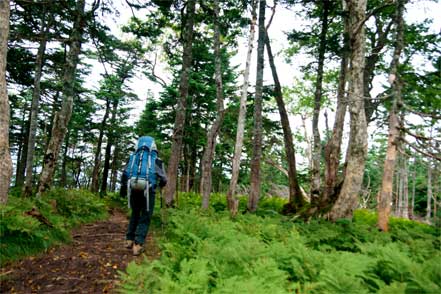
<point>144,172</point>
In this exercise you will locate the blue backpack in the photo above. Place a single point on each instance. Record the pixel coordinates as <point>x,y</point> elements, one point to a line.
<point>141,168</point>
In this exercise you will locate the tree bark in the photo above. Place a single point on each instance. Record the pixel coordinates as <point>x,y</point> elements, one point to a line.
<point>385,195</point>
<point>231,200</point>
<point>63,116</point>
<point>110,141</point>
<point>63,175</point>
<point>257,128</point>
<point>21,160</point>
<point>97,160</point>
<point>333,146</point>
<point>429,191</point>
<point>207,158</point>
<point>317,147</point>
<point>296,199</point>
<point>5,156</point>
<point>357,148</point>
<point>412,202</point>
<point>114,169</point>
<point>39,63</point>
<point>405,196</point>
<point>172,171</point>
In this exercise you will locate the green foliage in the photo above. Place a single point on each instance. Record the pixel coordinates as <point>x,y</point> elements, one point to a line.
<point>114,200</point>
<point>208,252</point>
<point>22,234</point>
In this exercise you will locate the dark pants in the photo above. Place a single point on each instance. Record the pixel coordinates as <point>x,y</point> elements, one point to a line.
<point>140,218</point>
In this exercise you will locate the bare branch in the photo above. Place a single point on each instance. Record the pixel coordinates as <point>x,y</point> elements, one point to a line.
<point>419,150</point>
<point>432,115</point>
<point>360,25</point>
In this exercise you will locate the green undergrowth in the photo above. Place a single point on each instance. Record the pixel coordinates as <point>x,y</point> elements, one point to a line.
<point>208,252</point>
<point>60,210</point>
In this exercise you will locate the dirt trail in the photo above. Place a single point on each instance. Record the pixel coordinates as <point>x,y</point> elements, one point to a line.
<point>90,264</point>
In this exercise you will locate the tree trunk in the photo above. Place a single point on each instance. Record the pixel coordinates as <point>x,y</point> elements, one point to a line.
<point>62,117</point>
<point>412,203</point>
<point>39,62</point>
<point>385,195</point>
<point>106,167</point>
<point>63,176</point>
<point>231,200</point>
<point>257,129</point>
<point>51,119</point>
<point>405,196</point>
<point>21,160</point>
<point>96,167</point>
<point>172,171</point>
<point>317,148</point>
<point>357,148</point>
<point>114,169</point>
<point>307,141</point>
<point>429,191</point>
<point>207,158</point>
<point>333,146</point>
<point>110,141</point>
<point>5,156</point>
<point>296,199</point>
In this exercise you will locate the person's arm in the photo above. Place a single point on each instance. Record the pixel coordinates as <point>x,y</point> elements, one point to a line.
<point>160,171</point>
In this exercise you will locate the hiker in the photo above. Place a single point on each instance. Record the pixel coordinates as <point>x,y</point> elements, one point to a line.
<point>143,174</point>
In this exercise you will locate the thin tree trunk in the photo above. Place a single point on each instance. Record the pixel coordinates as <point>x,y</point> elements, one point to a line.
<point>114,169</point>
<point>21,160</point>
<point>110,141</point>
<point>257,129</point>
<point>51,119</point>
<point>207,158</point>
<point>62,117</point>
<point>106,167</point>
<point>357,148</point>
<point>397,192</point>
<point>397,188</point>
<point>97,160</point>
<point>63,176</point>
<point>307,141</point>
<point>317,148</point>
<point>39,62</point>
<point>172,171</point>
<point>5,156</point>
<point>384,204</point>
<point>412,203</point>
<point>405,175</point>
<point>231,200</point>
<point>429,191</point>
<point>436,188</point>
<point>296,199</point>
<point>333,146</point>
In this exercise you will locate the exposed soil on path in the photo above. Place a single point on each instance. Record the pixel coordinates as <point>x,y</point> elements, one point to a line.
<point>90,264</point>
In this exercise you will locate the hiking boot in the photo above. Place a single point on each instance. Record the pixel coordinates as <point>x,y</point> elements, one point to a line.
<point>128,244</point>
<point>137,249</point>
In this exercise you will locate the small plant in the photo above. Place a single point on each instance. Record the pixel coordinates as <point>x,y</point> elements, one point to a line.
<point>208,252</point>
<point>28,226</point>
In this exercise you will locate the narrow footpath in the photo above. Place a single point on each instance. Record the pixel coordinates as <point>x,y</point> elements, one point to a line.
<point>89,264</point>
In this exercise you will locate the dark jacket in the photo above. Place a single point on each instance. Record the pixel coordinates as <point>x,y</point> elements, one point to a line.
<point>160,174</point>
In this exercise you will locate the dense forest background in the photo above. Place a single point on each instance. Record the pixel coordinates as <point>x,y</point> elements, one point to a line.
<point>356,126</point>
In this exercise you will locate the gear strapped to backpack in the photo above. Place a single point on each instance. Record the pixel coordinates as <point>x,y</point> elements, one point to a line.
<point>141,168</point>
